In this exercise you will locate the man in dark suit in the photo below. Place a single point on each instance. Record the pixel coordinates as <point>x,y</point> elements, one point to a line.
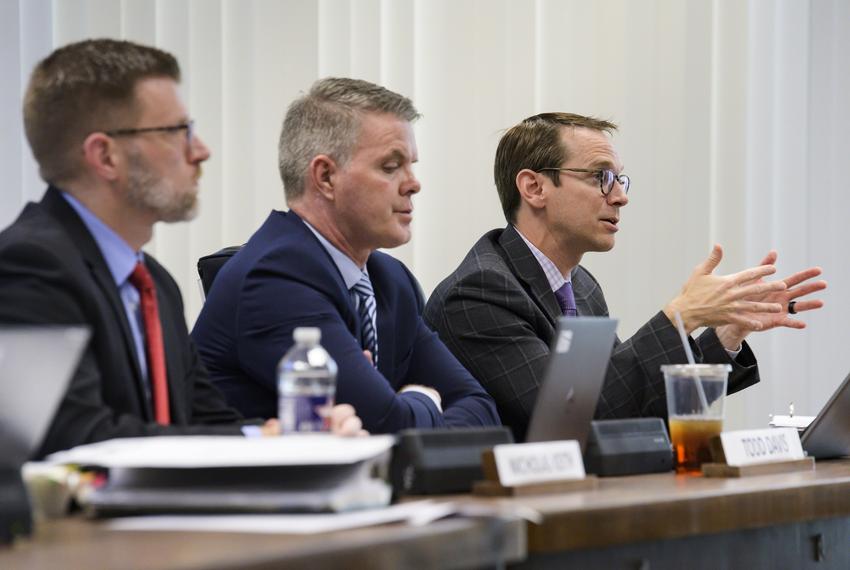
<point>560,183</point>
<point>346,159</point>
<point>116,146</point>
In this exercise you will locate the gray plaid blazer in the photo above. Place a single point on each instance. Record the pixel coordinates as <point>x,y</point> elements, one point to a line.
<point>498,314</point>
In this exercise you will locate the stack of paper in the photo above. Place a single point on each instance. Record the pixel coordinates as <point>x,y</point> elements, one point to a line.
<point>295,473</point>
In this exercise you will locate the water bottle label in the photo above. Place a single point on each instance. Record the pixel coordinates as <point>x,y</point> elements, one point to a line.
<point>305,413</point>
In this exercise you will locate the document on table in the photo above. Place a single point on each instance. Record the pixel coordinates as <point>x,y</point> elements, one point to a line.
<point>231,474</point>
<point>417,513</point>
<point>225,451</point>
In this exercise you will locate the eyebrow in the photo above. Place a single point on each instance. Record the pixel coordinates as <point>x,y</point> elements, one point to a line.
<point>607,164</point>
<point>396,155</point>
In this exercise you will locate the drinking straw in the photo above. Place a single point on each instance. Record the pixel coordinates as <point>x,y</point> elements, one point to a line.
<point>680,326</point>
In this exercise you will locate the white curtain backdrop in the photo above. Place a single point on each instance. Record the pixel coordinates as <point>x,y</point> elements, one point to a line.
<point>734,126</point>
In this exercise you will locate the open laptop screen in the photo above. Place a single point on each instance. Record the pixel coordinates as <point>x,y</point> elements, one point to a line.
<point>578,360</point>
<point>36,364</point>
<point>829,434</point>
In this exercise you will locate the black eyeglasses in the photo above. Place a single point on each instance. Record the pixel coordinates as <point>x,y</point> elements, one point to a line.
<point>188,126</point>
<point>605,176</point>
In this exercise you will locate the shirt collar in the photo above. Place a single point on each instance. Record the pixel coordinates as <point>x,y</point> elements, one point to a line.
<point>553,274</point>
<point>119,256</point>
<point>349,270</point>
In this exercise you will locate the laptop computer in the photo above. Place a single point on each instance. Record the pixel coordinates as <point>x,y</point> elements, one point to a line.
<point>829,433</point>
<point>36,364</point>
<point>578,360</point>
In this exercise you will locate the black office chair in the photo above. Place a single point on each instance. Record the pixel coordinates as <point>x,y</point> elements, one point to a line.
<point>209,265</point>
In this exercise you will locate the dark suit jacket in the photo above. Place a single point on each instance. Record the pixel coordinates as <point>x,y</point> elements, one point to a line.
<point>497,314</point>
<point>284,278</point>
<point>52,273</point>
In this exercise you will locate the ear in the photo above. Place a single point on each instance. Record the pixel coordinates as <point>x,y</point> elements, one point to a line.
<point>101,157</point>
<point>321,174</point>
<point>530,188</point>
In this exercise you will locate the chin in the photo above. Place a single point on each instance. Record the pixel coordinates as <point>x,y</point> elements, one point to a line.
<point>603,246</point>
<point>396,239</point>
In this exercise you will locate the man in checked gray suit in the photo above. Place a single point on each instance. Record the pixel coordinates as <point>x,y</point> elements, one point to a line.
<point>560,183</point>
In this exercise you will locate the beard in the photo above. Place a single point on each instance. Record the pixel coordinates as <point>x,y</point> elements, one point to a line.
<point>157,195</point>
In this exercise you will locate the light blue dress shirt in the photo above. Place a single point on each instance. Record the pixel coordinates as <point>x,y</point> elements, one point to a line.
<point>347,268</point>
<point>121,260</point>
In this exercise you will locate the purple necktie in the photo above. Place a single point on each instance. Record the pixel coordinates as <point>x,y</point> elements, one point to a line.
<point>566,300</point>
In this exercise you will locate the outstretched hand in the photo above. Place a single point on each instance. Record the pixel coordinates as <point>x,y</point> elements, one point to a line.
<point>741,299</point>
<point>796,285</point>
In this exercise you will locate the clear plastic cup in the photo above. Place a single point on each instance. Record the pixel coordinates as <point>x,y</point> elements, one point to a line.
<point>695,397</point>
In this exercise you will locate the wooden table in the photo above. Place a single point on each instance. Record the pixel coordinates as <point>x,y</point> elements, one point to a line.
<point>76,543</point>
<point>792,520</point>
<point>647,522</point>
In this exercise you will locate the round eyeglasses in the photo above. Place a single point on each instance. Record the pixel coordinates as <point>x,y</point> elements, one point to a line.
<point>605,176</point>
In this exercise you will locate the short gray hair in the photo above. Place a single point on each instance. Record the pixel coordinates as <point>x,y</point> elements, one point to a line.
<point>327,121</point>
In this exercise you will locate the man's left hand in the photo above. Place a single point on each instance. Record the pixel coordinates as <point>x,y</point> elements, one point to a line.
<point>798,285</point>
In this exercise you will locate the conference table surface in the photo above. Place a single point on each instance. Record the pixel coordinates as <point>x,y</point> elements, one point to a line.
<point>666,506</point>
<point>76,542</point>
<point>646,510</point>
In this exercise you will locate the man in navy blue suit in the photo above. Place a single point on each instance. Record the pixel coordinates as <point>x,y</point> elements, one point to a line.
<point>116,146</point>
<point>346,159</point>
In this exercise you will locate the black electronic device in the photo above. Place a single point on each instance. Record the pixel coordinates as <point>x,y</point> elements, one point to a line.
<point>429,462</point>
<point>15,518</point>
<point>628,447</point>
<point>31,387</point>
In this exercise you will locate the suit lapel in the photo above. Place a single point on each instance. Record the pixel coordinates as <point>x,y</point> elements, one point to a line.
<point>79,234</point>
<point>587,294</point>
<point>526,267</point>
<point>338,290</point>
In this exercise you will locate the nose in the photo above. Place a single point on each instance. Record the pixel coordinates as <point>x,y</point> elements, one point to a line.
<point>198,150</point>
<point>411,185</point>
<point>617,196</point>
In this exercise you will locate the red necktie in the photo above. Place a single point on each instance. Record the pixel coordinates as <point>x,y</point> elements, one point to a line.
<point>142,281</point>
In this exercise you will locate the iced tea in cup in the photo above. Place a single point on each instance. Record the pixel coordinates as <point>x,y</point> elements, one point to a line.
<point>695,396</point>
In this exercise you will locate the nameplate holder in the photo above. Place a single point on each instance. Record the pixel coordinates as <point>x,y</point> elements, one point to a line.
<point>533,468</point>
<point>757,452</point>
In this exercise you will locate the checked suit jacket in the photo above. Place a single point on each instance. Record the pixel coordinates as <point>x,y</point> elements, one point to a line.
<point>498,315</point>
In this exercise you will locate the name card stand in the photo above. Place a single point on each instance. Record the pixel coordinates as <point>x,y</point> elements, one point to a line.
<point>492,486</point>
<point>747,453</point>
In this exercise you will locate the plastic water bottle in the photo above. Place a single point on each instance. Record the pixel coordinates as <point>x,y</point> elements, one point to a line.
<point>306,384</point>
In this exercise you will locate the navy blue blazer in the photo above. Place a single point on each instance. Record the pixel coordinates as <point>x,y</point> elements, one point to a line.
<point>284,278</point>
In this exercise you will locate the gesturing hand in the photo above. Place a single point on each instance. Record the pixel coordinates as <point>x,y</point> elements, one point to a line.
<point>738,299</point>
<point>797,285</point>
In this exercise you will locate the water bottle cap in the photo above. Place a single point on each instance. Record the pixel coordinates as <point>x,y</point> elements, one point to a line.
<point>307,335</point>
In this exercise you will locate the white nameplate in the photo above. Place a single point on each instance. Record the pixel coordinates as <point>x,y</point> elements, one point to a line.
<point>527,463</point>
<point>754,446</point>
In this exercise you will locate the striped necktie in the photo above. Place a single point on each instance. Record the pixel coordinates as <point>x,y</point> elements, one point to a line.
<point>566,300</point>
<point>368,315</point>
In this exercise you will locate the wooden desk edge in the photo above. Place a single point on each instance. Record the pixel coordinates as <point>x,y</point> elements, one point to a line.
<point>595,528</point>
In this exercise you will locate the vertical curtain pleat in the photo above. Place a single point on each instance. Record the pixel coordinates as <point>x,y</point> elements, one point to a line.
<point>733,126</point>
